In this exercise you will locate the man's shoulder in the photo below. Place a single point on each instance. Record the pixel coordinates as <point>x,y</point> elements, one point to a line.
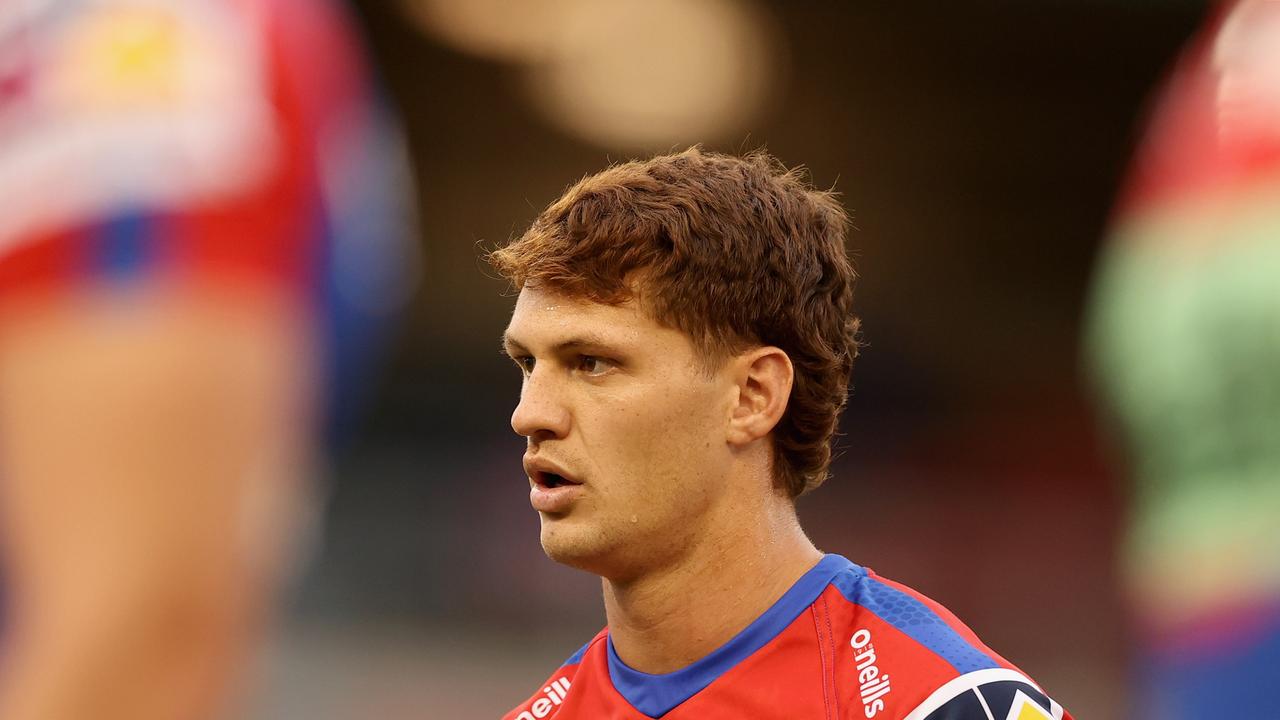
<point>868,606</point>
<point>551,694</point>
<point>900,654</point>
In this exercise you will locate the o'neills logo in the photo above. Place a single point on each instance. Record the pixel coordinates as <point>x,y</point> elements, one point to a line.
<point>541,707</point>
<point>872,685</point>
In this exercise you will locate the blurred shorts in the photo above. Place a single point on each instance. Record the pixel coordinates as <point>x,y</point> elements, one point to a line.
<point>212,142</point>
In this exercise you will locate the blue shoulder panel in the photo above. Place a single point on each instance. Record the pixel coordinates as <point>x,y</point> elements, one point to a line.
<point>576,658</point>
<point>656,695</point>
<point>914,619</point>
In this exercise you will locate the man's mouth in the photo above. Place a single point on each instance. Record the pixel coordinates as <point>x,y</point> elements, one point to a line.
<point>552,480</point>
<point>549,480</point>
<point>553,493</point>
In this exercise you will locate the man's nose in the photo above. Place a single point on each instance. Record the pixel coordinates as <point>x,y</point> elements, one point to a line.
<point>541,414</point>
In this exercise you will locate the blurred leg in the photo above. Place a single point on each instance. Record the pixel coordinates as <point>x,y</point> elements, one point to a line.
<point>152,451</point>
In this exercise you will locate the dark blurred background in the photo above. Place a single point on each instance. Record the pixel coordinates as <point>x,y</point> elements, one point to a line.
<point>978,144</point>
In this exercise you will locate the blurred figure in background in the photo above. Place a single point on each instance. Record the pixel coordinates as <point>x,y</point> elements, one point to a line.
<point>196,200</point>
<point>1186,342</point>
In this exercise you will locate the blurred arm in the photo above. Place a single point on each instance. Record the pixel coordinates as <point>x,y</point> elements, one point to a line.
<point>152,448</point>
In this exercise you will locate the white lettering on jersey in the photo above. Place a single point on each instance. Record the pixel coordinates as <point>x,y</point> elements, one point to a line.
<point>872,685</point>
<point>555,694</point>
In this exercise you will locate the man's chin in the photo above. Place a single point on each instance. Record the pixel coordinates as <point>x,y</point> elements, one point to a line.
<point>573,544</point>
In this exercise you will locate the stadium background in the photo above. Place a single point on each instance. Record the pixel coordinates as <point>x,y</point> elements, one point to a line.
<point>979,145</point>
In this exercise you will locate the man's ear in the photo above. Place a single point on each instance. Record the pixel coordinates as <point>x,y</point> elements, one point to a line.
<point>764,376</point>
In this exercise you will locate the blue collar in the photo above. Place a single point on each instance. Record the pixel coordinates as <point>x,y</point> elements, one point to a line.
<point>656,695</point>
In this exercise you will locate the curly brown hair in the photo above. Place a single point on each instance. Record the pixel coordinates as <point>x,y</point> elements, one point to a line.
<point>734,251</point>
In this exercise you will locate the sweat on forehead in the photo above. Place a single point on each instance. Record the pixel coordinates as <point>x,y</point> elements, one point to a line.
<point>543,309</point>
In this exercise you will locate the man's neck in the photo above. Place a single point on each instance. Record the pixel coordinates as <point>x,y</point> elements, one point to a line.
<point>673,616</point>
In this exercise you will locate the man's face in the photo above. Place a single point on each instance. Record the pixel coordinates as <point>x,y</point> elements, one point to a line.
<point>627,448</point>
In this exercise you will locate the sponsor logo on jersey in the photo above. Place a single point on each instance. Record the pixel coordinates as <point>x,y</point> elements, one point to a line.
<point>990,694</point>
<point>554,695</point>
<point>872,684</point>
<point>1024,708</point>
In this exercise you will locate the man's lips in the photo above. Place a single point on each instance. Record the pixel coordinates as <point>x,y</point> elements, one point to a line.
<point>553,489</point>
<point>548,474</point>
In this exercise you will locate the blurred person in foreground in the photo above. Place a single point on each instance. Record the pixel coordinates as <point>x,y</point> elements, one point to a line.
<point>1185,336</point>
<point>185,190</point>
<point>685,331</point>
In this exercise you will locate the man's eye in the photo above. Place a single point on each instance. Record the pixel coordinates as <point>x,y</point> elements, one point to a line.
<point>592,365</point>
<point>525,362</point>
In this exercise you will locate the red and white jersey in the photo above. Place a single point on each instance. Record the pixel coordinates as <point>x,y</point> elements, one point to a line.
<point>193,140</point>
<point>187,142</point>
<point>842,643</point>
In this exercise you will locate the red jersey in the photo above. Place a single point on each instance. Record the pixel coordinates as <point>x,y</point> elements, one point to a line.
<point>842,643</point>
<point>238,142</point>
<point>201,139</point>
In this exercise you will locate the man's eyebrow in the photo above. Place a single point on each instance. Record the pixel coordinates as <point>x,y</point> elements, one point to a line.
<point>510,346</point>
<point>584,341</point>
<point>513,347</point>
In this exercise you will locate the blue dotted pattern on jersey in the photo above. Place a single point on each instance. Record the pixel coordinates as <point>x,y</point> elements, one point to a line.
<point>914,619</point>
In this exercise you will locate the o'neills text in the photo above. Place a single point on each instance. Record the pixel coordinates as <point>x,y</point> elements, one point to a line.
<point>541,707</point>
<point>872,685</point>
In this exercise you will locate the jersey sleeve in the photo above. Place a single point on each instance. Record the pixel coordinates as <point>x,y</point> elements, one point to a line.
<point>996,693</point>
<point>905,657</point>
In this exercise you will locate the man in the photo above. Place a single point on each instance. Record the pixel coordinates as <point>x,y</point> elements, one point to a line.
<point>1184,342</point>
<point>685,332</point>
<point>178,183</point>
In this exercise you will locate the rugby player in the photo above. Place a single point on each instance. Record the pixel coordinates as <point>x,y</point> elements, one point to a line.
<point>685,331</point>
<point>188,192</point>
<point>1183,337</point>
